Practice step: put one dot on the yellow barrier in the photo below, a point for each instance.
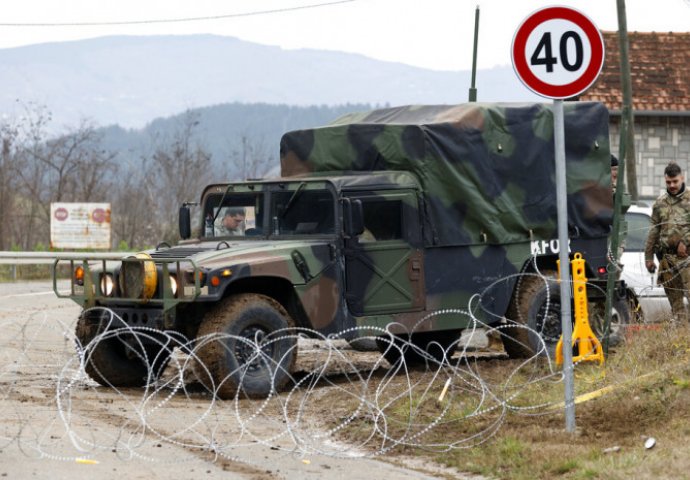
(584, 341)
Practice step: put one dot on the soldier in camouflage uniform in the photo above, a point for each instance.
(669, 239)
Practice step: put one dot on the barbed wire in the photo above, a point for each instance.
(338, 402)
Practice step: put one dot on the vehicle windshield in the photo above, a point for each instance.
(302, 211)
(278, 210)
(239, 214)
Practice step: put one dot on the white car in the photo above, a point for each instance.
(647, 295)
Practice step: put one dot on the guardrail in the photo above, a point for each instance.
(48, 258)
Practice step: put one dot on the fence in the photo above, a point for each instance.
(45, 258)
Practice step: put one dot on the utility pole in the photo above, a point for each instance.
(627, 135)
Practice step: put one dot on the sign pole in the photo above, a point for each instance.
(558, 53)
(566, 314)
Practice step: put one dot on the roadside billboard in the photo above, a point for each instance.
(80, 226)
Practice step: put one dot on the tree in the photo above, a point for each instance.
(71, 167)
(251, 157)
(180, 168)
(8, 185)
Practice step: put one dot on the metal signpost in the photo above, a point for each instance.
(558, 53)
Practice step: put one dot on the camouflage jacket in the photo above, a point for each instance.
(670, 224)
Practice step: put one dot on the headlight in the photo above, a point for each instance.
(173, 285)
(107, 284)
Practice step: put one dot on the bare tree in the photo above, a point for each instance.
(251, 157)
(69, 167)
(179, 170)
(8, 186)
(133, 219)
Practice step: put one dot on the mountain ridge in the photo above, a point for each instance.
(132, 80)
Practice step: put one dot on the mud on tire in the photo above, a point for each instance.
(117, 356)
(536, 304)
(227, 347)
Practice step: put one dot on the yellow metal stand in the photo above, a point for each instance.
(587, 345)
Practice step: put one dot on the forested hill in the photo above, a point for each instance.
(236, 136)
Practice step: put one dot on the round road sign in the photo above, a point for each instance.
(98, 215)
(557, 52)
(61, 214)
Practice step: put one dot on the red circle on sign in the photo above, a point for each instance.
(98, 215)
(61, 214)
(523, 70)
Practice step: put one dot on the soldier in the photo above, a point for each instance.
(614, 172)
(233, 221)
(669, 239)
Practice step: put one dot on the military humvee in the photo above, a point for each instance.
(378, 220)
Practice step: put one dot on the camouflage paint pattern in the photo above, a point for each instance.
(486, 170)
(670, 225)
(476, 190)
(487, 192)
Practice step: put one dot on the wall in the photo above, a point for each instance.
(658, 140)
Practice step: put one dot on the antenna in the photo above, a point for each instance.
(473, 90)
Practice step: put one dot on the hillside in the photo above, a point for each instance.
(130, 80)
(228, 132)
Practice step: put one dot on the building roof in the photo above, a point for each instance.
(660, 69)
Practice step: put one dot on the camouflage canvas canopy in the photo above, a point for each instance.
(487, 170)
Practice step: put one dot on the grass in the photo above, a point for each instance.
(513, 426)
(24, 272)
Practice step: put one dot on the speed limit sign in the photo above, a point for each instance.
(557, 52)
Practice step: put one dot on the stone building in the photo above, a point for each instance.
(660, 70)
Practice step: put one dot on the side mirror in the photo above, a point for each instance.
(353, 218)
(185, 223)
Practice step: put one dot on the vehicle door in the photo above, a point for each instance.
(384, 266)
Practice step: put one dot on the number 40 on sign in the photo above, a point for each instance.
(557, 52)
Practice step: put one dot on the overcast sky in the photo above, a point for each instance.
(433, 34)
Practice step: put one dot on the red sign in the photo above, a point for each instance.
(557, 52)
(61, 214)
(98, 215)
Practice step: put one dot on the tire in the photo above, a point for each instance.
(621, 316)
(536, 304)
(530, 307)
(230, 363)
(363, 344)
(431, 347)
(120, 358)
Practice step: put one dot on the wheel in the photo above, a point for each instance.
(431, 346)
(364, 344)
(620, 317)
(227, 347)
(536, 304)
(122, 356)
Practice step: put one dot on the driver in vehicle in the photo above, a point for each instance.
(233, 221)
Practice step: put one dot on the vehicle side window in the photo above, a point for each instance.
(383, 218)
(389, 215)
(638, 228)
(310, 212)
